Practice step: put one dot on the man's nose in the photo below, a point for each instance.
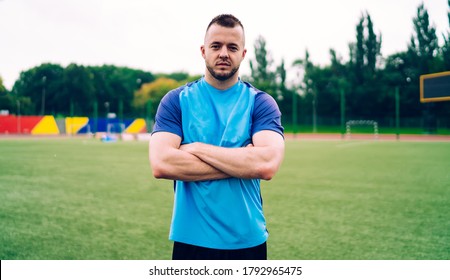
(223, 52)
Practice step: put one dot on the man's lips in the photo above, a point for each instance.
(223, 64)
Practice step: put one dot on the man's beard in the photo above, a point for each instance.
(224, 76)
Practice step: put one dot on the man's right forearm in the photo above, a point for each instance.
(185, 167)
(169, 162)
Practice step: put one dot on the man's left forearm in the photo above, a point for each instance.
(251, 162)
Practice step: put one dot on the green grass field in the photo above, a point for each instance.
(331, 200)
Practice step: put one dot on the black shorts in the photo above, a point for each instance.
(182, 251)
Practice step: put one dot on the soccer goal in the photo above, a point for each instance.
(115, 128)
(353, 123)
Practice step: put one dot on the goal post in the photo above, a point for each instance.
(115, 128)
(352, 123)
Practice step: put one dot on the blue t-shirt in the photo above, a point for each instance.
(227, 213)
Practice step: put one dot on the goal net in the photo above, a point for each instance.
(115, 128)
(353, 123)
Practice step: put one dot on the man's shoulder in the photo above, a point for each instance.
(174, 94)
(183, 88)
(260, 94)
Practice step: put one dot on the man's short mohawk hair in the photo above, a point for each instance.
(226, 20)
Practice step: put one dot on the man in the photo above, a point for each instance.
(217, 137)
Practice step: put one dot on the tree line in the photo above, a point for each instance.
(362, 87)
(366, 84)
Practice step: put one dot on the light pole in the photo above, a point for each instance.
(95, 115)
(107, 115)
(397, 112)
(314, 105)
(18, 116)
(295, 93)
(398, 63)
(138, 82)
(44, 79)
(297, 89)
(342, 93)
(107, 108)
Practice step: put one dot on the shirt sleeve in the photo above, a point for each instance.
(266, 114)
(168, 115)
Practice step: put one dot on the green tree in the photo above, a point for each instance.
(101, 80)
(149, 95)
(446, 46)
(6, 99)
(79, 90)
(360, 80)
(2, 87)
(372, 48)
(262, 75)
(423, 46)
(125, 82)
(366, 52)
(422, 59)
(114, 88)
(358, 63)
(39, 89)
(308, 88)
(284, 95)
(177, 76)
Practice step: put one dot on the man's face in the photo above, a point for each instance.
(223, 51)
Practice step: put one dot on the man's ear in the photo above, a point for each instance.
(202, 50)
(244, 52)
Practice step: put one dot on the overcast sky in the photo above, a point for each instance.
(165, 36)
